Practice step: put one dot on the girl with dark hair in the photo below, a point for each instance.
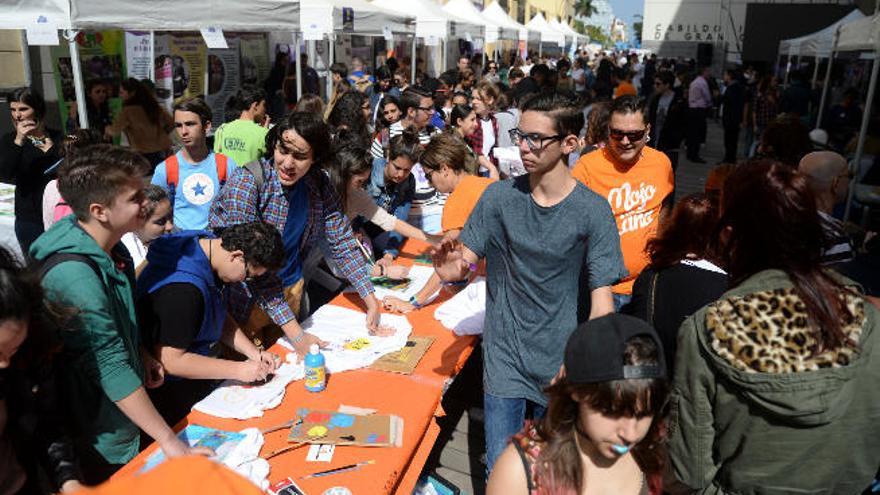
(349, 168)
(602, 432)
(389, 113)
(683, 274)
(98, 105)
(463, 123)
(144, 122)
(310, 103)
(378, 92)
(35, 446)
(786, 140)
(160, 221)
(779, 374)
(25, 155)
(351, 112)
(288, 189)
(392, 187)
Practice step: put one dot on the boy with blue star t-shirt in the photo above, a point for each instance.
(194, 175)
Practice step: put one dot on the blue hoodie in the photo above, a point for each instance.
(178, 258)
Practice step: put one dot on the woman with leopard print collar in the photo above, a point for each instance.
(775, 384)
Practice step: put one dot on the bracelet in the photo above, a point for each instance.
(295, 340)
(415, 302)
(472, 267)
(457, 283)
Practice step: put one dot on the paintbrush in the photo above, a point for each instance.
(343, 469)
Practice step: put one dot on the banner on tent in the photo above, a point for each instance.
(188, 59)
(102, 56)
(255, 62)
(137, 54)
(164, 71)
(223, 76)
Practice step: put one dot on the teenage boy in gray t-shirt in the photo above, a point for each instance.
(537, 233)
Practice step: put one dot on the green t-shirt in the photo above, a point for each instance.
(242, 140)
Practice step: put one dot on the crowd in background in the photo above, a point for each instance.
(635, 341)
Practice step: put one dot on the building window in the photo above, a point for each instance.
(521, 12)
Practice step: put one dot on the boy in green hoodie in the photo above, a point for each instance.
(104, 372)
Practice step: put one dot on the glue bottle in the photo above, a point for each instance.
(316, 374)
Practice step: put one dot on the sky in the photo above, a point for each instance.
(626, 9)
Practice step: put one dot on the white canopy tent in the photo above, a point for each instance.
(862, 35)
(566, 30)
(432, 23)
(22, 14)
(494, 12)
(817, 44)
(548, 34)
(494, 30)
(326, 17)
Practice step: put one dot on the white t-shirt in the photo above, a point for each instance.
(135, 247)
(577, 74)
(488, 136)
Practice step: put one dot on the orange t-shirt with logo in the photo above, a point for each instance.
(635, 195)
(462, 200)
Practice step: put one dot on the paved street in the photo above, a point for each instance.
(457, 456)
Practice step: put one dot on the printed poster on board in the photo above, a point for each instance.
(163, 67)
(188, 64)
(223, 76)
(137, 54)
(102, 58)
(255, 62)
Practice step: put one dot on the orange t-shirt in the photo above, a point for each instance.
(462, 200)
(624, 88)
(635, 196)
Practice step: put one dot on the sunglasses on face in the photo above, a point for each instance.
(633, 136)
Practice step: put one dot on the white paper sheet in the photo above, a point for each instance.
(350, 345)
(418, 275)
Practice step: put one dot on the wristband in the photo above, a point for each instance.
(472, 267)
(295, 340)
(457, 283)
(415, 302)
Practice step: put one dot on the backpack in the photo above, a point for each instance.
(172, 173)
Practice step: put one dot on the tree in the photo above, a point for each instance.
(584, 8)
(637, 28)
(596, 34)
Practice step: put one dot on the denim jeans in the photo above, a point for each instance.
(502, 419)
(621, 300)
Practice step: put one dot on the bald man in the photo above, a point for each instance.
(828, 177)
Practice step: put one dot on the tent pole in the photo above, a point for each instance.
(827, 80)
(815, 72)
(860, 148)
(331, 49)
(78, 87)
(412, 62)
(152, 73)
(298, 67)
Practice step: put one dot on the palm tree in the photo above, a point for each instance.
(584, 8)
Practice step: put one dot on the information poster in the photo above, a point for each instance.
(137, 54)
(188, 65)
(255, 62)
(223, 76)
(102, 57)
(164, 71)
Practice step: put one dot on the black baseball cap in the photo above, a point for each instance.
(594, 352)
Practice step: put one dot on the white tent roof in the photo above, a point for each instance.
(578, 37)
(21, 14)
(817, 44)
(548, 34)
(431, 20)
(494, 30)
(369, 19)
(565, 30)
(171, 15)
(497, 14)
(860, 35)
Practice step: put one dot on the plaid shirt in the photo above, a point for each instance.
(241, 202)
(476, 139)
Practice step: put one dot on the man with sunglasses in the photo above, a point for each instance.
(181, 308)
(636, 180)
(549, 242)
(667, 114)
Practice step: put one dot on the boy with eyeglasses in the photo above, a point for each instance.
(636, 180)
(182, 309)
(549, 242)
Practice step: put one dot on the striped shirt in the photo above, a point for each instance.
(837, 245)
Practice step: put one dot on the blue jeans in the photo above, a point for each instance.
(621, 300)
(502, 419)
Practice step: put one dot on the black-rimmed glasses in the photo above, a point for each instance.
(533, 140)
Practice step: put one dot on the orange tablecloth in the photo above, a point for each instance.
(415, 398)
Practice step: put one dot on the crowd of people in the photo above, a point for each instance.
(720, 343)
